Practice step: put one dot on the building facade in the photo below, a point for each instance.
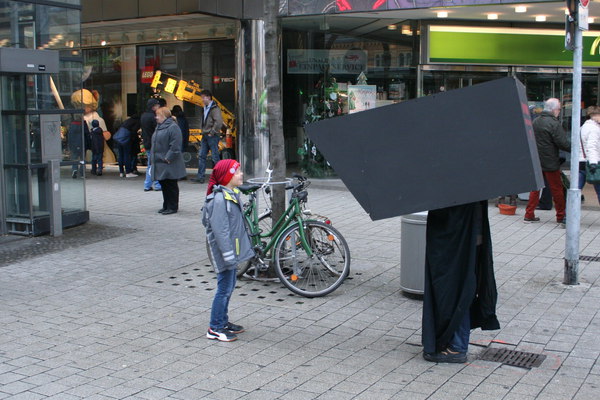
(338, 56)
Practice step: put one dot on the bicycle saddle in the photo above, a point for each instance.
(249, 188)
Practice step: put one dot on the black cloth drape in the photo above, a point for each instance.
(459, 274)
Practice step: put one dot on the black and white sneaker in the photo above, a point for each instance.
(222, 335)
(233, 328)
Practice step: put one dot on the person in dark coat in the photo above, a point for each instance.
(460, 288)
(132, 125)
(182, 122)
(97, 144)
(550, 138)
(167, 160)
(135, 145)
(148, 125)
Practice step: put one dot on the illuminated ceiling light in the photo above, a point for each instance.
(591, 20)
(442, 14)
(540, 18)
(103, 43)
(392, 27)
(566, 11)
(406, 30)
(492, 16)
(520, 9)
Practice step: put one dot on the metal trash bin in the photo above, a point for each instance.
(412, 257)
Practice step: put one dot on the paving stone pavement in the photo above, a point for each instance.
(124, 316)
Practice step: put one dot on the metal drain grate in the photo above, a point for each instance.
(521, 359)
(589, 258)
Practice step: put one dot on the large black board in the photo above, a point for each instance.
(450, 148)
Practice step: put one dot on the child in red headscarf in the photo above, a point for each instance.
(229, 243)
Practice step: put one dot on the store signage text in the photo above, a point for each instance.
(309, 61)
(147, 74)
(219, 79)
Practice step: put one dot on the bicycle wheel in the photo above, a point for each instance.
(242, 267)
(316, 275)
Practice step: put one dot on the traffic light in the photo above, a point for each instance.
(571, 24)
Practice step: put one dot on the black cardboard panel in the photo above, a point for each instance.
(451, 148)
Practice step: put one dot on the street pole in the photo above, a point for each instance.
(571, 274)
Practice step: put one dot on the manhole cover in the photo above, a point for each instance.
(589, 258)
(521, 359)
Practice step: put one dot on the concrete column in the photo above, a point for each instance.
(128, 77)
(253, 137)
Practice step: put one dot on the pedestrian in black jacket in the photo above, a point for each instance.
(97, 142)
(184, 126)
(131, 125)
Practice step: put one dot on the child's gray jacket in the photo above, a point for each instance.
(226, 231)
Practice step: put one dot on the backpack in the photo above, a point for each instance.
(122, 136)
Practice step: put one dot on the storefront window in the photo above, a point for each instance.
(329, 74)
(121, 76)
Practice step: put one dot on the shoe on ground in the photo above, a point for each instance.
(233, 328)
(562, 222)
(446, 356)
(148, 189)
(158, 189)
(93, 172)
(162, 210)
(197, 180)
(221, 335)
(122, 175)
(168, 212)
(131, 175)
(74, 175)
(534, 219)
(99, 173)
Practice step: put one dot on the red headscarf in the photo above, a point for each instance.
(222, 174)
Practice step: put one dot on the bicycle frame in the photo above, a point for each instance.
(291, 214)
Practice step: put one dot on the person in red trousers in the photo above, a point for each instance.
(550, 137)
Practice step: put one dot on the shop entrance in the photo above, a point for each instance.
(542, 84)
(455, 77)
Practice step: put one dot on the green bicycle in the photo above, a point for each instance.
(309, 256)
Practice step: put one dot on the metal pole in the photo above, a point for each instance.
(55, 208)
(571, 276)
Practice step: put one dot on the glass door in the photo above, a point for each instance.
(436, 81)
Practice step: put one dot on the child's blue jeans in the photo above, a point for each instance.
(225, 285)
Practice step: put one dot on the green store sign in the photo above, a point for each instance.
(509, 46)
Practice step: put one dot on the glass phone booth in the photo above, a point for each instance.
(39, 190)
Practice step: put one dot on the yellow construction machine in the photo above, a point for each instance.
(190, 92)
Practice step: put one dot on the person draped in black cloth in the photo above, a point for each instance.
(460, 288)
